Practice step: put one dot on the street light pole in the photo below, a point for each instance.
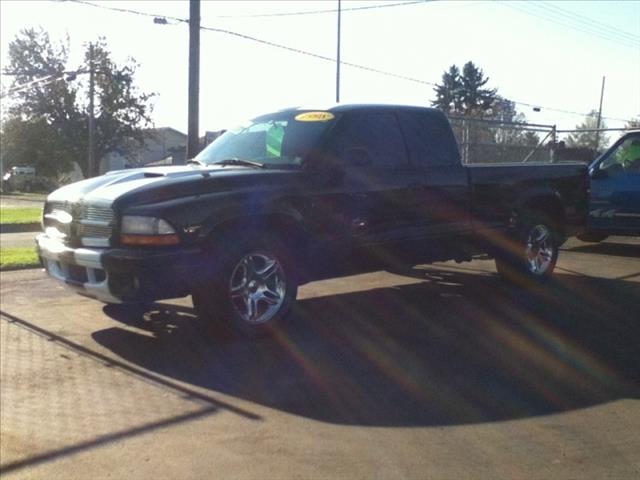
(599, 116)
(338, 57)
(92, 170)
(193, 142)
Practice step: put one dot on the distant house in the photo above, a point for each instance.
(162, 146)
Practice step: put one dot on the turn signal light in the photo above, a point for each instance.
(149, 240)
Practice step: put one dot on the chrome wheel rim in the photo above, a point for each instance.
(257, 287)
(539, 250)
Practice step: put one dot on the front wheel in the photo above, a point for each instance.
(532, 257)
(251, 289)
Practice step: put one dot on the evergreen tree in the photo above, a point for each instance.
(465, 93)
(448, 94)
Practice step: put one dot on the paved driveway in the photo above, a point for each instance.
(445, 374)
(18, 239)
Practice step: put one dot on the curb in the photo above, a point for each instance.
(20, 227)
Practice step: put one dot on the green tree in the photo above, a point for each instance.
(465, 93)
(589, 138)
(53, 116)
(476, 99)
(448, 93)
(121, 111)
(33, 142)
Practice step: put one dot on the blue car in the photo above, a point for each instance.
(614, 207)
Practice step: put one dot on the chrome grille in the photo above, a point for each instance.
(94, 231)
(98, 214)
(93, 225)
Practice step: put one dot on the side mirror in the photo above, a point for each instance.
(357, 157)
(598, 174)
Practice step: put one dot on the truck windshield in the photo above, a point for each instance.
(279, 139)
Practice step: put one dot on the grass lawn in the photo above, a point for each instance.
(14, 258)
(20, 215)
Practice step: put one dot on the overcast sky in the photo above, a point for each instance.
(549, 54)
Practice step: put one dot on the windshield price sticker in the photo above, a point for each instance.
(314, 117)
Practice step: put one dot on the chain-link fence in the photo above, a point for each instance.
(496, 141)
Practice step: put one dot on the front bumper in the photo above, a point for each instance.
(117, 275)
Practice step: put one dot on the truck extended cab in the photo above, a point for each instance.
(299, 195)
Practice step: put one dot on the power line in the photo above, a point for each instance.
(126, 10)
(568, 112)
(260, 15)
(594, 28)
(331, 10)
(318, 56)
(558, 20)
(19, 88)
(264, 42)
(375, 70)
(564, 23)
(585, 19)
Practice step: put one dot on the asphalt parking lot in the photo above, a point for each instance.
(445, 373)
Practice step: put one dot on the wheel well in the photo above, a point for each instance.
(551, 207)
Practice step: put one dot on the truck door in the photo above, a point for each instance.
(442, 183)
(615, 189)
(374, 198)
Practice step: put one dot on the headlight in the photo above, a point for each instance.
(139, 230)
(135, 225)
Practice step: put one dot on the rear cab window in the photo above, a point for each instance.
(429, 138)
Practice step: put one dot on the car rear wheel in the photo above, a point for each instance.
(251, 288)
(532, 256)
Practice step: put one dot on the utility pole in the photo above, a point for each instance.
(193, 143)
(92, 170)
(338, 57)
(599, 116)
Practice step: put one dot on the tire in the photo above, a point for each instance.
(250, 288)
(592, 237)
(532, 253)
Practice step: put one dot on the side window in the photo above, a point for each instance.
(376, 132)
(429, 138)
(625, 158)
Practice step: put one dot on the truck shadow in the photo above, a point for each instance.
(457, 348)
(608, 248)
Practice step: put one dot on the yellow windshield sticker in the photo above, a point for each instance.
(314, 117)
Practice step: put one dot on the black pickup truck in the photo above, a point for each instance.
(299, 195)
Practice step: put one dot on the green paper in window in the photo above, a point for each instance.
(275, 134)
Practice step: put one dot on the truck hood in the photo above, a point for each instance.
(159, 183)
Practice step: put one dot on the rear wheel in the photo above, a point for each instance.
(251, 288)
(532, 255)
